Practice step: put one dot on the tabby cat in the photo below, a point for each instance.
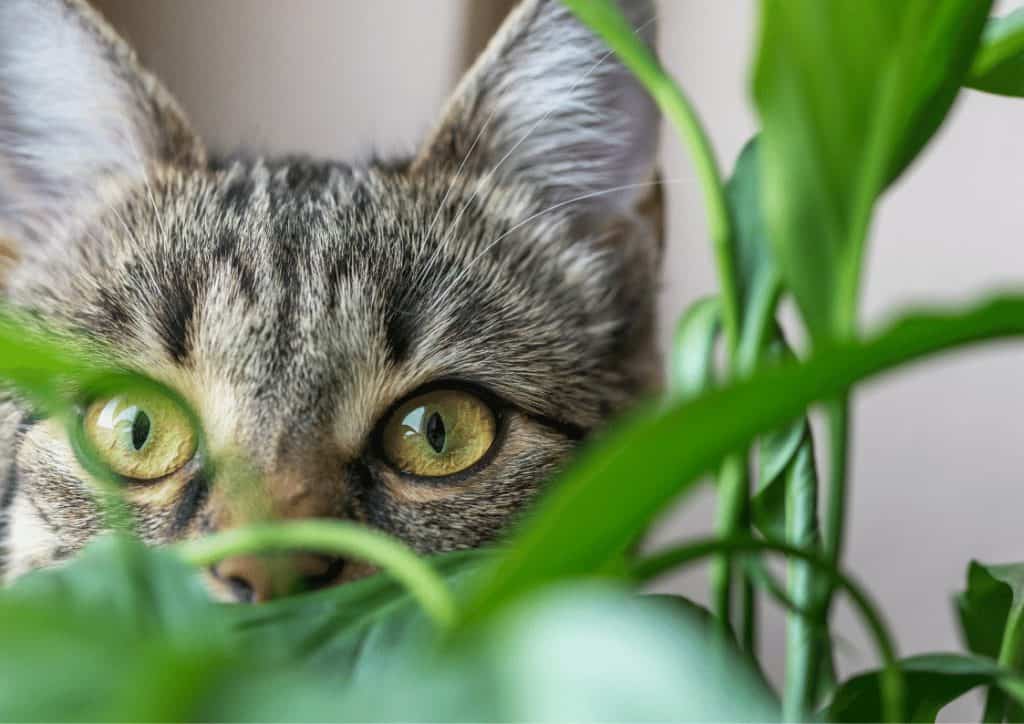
(415, 344)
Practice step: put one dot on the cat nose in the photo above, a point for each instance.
(255, 579)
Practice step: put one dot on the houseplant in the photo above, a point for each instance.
(549, 625)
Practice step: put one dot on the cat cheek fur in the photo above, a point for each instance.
(293, 302)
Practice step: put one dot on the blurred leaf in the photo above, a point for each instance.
(693, 350)
(932, 681)
(142, 589)
(125, 632)
(755, 260)
(573, 653)
(645, 463)
(984, 606)
(848, 92)
(346, 628)
(122, 633)
(999, 65)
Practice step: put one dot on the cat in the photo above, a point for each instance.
(415, 344)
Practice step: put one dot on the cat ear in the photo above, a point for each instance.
(548, 105)
(75, 106)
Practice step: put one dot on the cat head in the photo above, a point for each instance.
(417, 345)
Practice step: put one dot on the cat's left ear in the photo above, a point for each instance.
(549, 106)
(75, 106)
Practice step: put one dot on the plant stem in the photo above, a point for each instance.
(732, 504)
(1011, 651)
(838, 419)
(893, 685)
(837, 412)
(339, 538)
(803, 646)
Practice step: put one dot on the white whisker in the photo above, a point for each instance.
(145, 179)
(583, 197)
(452, 227)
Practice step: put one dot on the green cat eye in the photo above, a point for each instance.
(140, 434)
(439, 433)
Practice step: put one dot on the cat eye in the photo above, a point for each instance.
(439, 433)
(140, 434)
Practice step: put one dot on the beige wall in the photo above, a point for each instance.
(938, 463)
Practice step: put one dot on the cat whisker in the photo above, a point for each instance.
(451, 286)
(145, 179)
(131, 236)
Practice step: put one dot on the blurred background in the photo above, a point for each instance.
(938, 455)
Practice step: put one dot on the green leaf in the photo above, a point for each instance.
(693, 351)
(144, 590)
(999, 65)
(848, 91)
(645, 463)
(932, 681)
(588, 652)
(755, 259)
(122, 633)
(344, 629)
(984, 606)
(126, 632)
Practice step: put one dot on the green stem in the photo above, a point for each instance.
(1011, 651)
(893, 685)
(838, 419)
(732, 504)
(339, 538)
(604, 17)
(837, 412)
(803, 646)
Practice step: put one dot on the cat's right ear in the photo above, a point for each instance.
(75, 107)
(548, 105)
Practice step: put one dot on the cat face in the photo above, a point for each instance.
(417, 345)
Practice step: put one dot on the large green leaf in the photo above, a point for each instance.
(848, 92)
(999, 64)
(576, 653)
(647, 462)
(123, 633)
(129, 633)
(932, 682)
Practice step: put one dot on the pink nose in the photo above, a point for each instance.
(255, 579)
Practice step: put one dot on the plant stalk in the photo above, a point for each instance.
(733, 496)
(803, 646)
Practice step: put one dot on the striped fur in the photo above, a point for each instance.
(292, 302)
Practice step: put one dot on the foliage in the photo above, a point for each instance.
(549, 625)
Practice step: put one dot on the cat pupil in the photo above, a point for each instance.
(140, 430)
(435, 432)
